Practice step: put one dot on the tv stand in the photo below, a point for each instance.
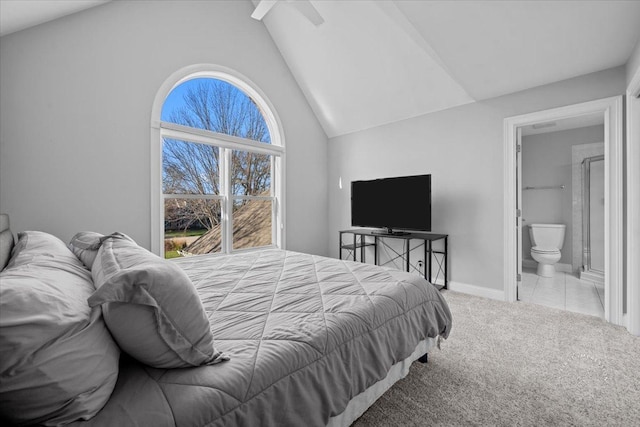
(389, 232)
(364, 238)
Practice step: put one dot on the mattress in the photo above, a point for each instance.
(305, 335)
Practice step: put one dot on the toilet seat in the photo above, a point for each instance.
(541, 250)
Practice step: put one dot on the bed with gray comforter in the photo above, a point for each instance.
(104, 331)
(304, 333)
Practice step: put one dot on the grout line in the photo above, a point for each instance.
(582, 291)
(598, 293)
(535, 287)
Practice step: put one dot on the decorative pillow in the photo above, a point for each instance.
(85, 245)
(151, 307)
(58, 362)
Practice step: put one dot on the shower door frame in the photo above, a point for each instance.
(586, 214)
(612, 110)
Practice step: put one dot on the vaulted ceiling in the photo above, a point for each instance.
(16, 15)
(364, 63)
(375, 62)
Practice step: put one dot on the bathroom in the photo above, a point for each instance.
(563, 185)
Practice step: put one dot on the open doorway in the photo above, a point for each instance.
(610, 109)
(562, 231)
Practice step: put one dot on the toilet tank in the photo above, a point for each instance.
(547, 235)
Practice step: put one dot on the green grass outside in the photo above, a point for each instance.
(172, 254)
(169, 235)
(188, 233)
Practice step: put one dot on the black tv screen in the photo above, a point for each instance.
(400, 203)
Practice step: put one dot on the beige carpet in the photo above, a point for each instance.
(518, 364)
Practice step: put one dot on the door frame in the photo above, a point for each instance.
(519, 254)
(633, 204)
(612, 110)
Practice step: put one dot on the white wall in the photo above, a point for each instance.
(547, 161)
(462, 149)
(75, 105)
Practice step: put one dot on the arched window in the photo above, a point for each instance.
(217, 158)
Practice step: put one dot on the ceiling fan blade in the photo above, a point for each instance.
(263, 8)
(309, 11)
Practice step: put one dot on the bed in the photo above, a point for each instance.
(298, 339)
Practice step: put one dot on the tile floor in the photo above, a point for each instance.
(564, 291)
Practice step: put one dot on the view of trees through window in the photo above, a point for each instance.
(198, 178)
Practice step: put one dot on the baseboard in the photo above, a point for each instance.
(565, 268)
(479, 291)
(593, 277)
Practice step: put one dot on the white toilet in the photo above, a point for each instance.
(546, 242)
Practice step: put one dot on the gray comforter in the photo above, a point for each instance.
(305, 335)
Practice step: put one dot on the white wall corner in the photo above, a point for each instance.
(633, 64)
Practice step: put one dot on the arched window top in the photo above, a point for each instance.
(215, 105)
(223, 74)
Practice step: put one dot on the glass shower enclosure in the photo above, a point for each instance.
(593, 218)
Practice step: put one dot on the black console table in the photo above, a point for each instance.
(363, 238)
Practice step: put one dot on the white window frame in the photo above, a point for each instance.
(226, 143)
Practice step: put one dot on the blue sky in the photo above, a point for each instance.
(174, 100)
(175, 97)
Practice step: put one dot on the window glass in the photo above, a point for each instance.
(252, 223)
(216, 106)
(190, 168)
(250, 174)
(191, 226)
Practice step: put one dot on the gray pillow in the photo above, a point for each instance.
(6, 240)
(151, 307)
(85, 245)
(59, 363)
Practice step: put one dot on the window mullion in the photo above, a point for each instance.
(173, 131)
(253, 197)
(191, 196)
(274, 205)
(227, 202)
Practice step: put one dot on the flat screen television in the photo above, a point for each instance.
(393, 204)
